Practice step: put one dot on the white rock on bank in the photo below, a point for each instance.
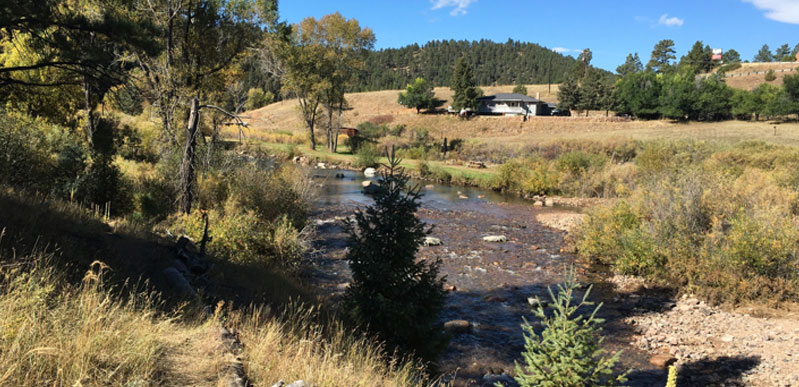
(369, 172)
(495, 238)
(431, 241)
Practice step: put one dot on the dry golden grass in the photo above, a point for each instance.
(294, 347)
(281, 117)
(739, 80)
(66, 336)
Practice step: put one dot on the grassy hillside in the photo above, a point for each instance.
(750, 75)
(381, 106)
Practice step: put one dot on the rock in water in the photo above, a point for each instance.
(457, 326)
(369, 172)
(321, 165)
(549, 203)
(495, 238)
(371, 188)
(366, 183)
(430, 241)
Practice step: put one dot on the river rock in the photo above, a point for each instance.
(495, 238)
(457, 326)
(431, 241)
(462, 196)
(366, 183)
(321, 165)
(538, 203)
(662, 360)
(549, 203)
(370, 172)
(535, 302)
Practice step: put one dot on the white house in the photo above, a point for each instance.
(512, 104)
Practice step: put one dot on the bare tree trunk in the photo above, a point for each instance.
(330, 140)
(187, 168)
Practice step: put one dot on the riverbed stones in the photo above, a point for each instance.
(538, 203)
(495, 238)
(457, 326)
(370, 188)
(321, 165)
(535, 302)
(370, 172)
(549, 203)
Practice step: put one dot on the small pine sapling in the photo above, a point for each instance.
(396, 296)
(568, 350)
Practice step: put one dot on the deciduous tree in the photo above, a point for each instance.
(418, 95)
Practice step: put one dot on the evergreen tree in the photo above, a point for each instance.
(567, 353)
(731, 56)
(631, 65)
(639, 94)
(393, 294)
(698, 59)
(783, 53)
(569, 94)
(770, 76)
(464, 87)
(662, 55)
(418, 95)
(764, 55)
(591, 91)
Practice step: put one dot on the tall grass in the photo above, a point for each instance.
(294, 346)
(54, 334)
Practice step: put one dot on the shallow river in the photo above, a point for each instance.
(492, 281)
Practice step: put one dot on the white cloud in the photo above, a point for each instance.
(459, 5)
(667, 21)
(785, 11)
(563, 50)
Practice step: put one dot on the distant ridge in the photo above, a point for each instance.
(493, 63)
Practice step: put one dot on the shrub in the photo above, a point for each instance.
(366, 156)
(240, 236)
(770, 76)
(578, 163)
(568, 351)
(393, 294)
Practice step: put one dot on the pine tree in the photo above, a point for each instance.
(394, 295)
(464, 87)
(764, 55)
(662, 55)
(698, 59)
(731, 56)
(631, 65)
(783, 53)
(569, 94)
(567, 353)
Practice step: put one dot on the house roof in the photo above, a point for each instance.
(511, 97)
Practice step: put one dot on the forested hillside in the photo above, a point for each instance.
(493, 63)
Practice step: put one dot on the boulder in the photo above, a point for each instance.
(371, 188)
(457, 326)
(321, 165)
(370, 172)
(431, 241)
(178, 282)
(549, 203)
(538, 203)
(535, 302)
(662, 360)
(495, 238)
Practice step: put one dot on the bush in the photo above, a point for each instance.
(730, 237)
(568, 351)
(240, 236)
(366, 156)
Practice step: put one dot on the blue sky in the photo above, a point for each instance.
(611, 29)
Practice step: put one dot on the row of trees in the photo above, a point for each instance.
(684, 89)
(783, 53)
